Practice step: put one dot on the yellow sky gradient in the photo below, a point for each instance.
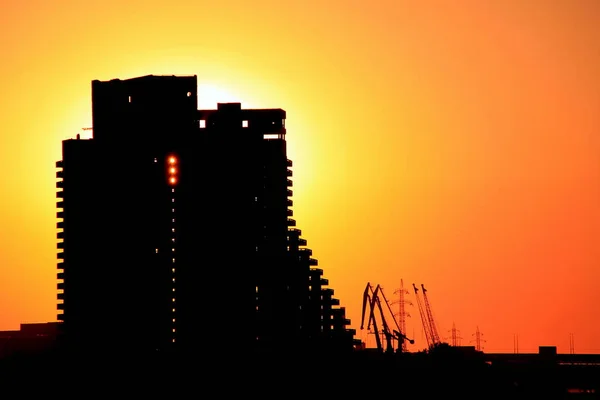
(450, 143)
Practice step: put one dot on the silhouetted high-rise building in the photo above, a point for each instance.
(176, 229)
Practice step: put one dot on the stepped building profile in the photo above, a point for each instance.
(175, 230)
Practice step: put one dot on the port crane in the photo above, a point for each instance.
(435, 337)
(429, 327)
(424, 320)
(372, 300)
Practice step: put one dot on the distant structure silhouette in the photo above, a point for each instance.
(176, 231)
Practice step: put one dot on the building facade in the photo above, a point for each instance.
(175, 230)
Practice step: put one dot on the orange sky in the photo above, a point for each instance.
(450, 143)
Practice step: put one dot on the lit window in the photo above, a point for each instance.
(172, 229)
(173, 329)
(172, 170)
(173, 190)
(173, 260)
(155, 160)
(172, 180)
(173, 289)
(173, 319)
(173, 270)
(173, 239)
(173, 250)
(157, 251)
(173, 279)
(244, 124)
(174, 302)
(173, 220)
(172, 160)
(202, 123)
(173, 340)
(173, 310)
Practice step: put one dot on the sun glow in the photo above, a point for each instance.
(209, 95)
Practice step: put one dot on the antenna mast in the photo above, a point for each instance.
(571, 343)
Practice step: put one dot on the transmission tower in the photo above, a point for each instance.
(478, 340)
(455, 336)
(402, 314)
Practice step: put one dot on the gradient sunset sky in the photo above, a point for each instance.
(450, 143)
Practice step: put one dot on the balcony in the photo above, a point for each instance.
(60, 225)
(290, 202)
(313, 261)
(60, 245)
(60, 194)
(60, 306)
(60, 256)
(289, 193)
(306, 251)
(324, 282)
(289, 183)
(60, 204)
(289, 172)
(59, 164)
(60, 296)
(60, 214)
(290, 213)
(302, 242)
(60, 275)
(60, 235)
(291, 222)
(60, 174)
(289, 162)
(60, 286)
(295, 230)
(60, 184)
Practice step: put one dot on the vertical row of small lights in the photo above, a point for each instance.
(173, 178)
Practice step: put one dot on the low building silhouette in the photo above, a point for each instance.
(30, 339)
